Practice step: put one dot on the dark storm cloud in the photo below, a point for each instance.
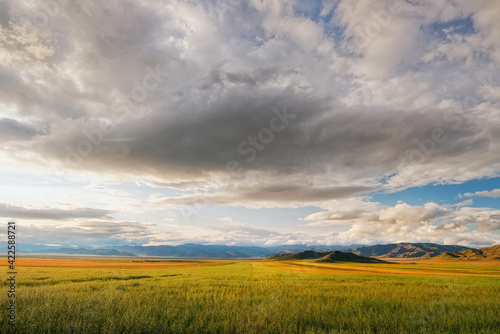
(217, 103)
(203, 132)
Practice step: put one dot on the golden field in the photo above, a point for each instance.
(82, 295)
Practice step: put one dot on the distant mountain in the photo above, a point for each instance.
(482, 254)
(83, 251)
(190, 250)
(335, 256)
(218, 251)
(407, 250)
(198, 251)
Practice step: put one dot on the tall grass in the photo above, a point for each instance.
(248, 297)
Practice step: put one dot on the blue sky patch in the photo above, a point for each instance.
(443, 194)
(440, 30)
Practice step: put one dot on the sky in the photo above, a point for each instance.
(259, 122)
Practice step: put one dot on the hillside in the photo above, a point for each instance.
(338, 256)
(482, 254)
(335, 256)
(305, 255)
(405, 250)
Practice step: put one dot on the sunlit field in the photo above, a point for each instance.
(137, 296)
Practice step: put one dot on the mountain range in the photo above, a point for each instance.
(197, 251)
(84, 251)
(389, 251)
(482, 254)
(405, 250)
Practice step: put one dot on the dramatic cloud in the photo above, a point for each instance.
(430, 221)
(260, 104)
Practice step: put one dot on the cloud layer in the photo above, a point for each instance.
(263, 104)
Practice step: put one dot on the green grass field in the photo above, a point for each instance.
(257, 297)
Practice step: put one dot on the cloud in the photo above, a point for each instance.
(465, 203)
(92, 233)
(404, 214)
(206, 100)
(374, 223)
(199, 141)
(400, 214)
(32, 213)
(430, 222)
(486, 193)
(486, 220)
(277, 195)
(258, 103)
(11, 129)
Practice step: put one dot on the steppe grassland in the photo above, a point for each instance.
(256, 297)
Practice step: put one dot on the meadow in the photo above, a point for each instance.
(131, 296)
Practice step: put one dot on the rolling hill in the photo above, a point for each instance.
(404, 250)
(482, 254)
(305, 255)
(338, 256)
(335, 256)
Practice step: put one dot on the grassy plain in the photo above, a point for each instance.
(76, 295)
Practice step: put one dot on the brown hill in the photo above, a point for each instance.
(404, 250)
(305, 255)
(482, 254)
(338, 256)
(326, 256)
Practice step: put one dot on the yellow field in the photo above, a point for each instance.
(128, 263)
(95, 295)
(419, 268)
(398, 267)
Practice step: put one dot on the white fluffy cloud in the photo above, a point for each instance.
(485, 193)
(374, 222)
